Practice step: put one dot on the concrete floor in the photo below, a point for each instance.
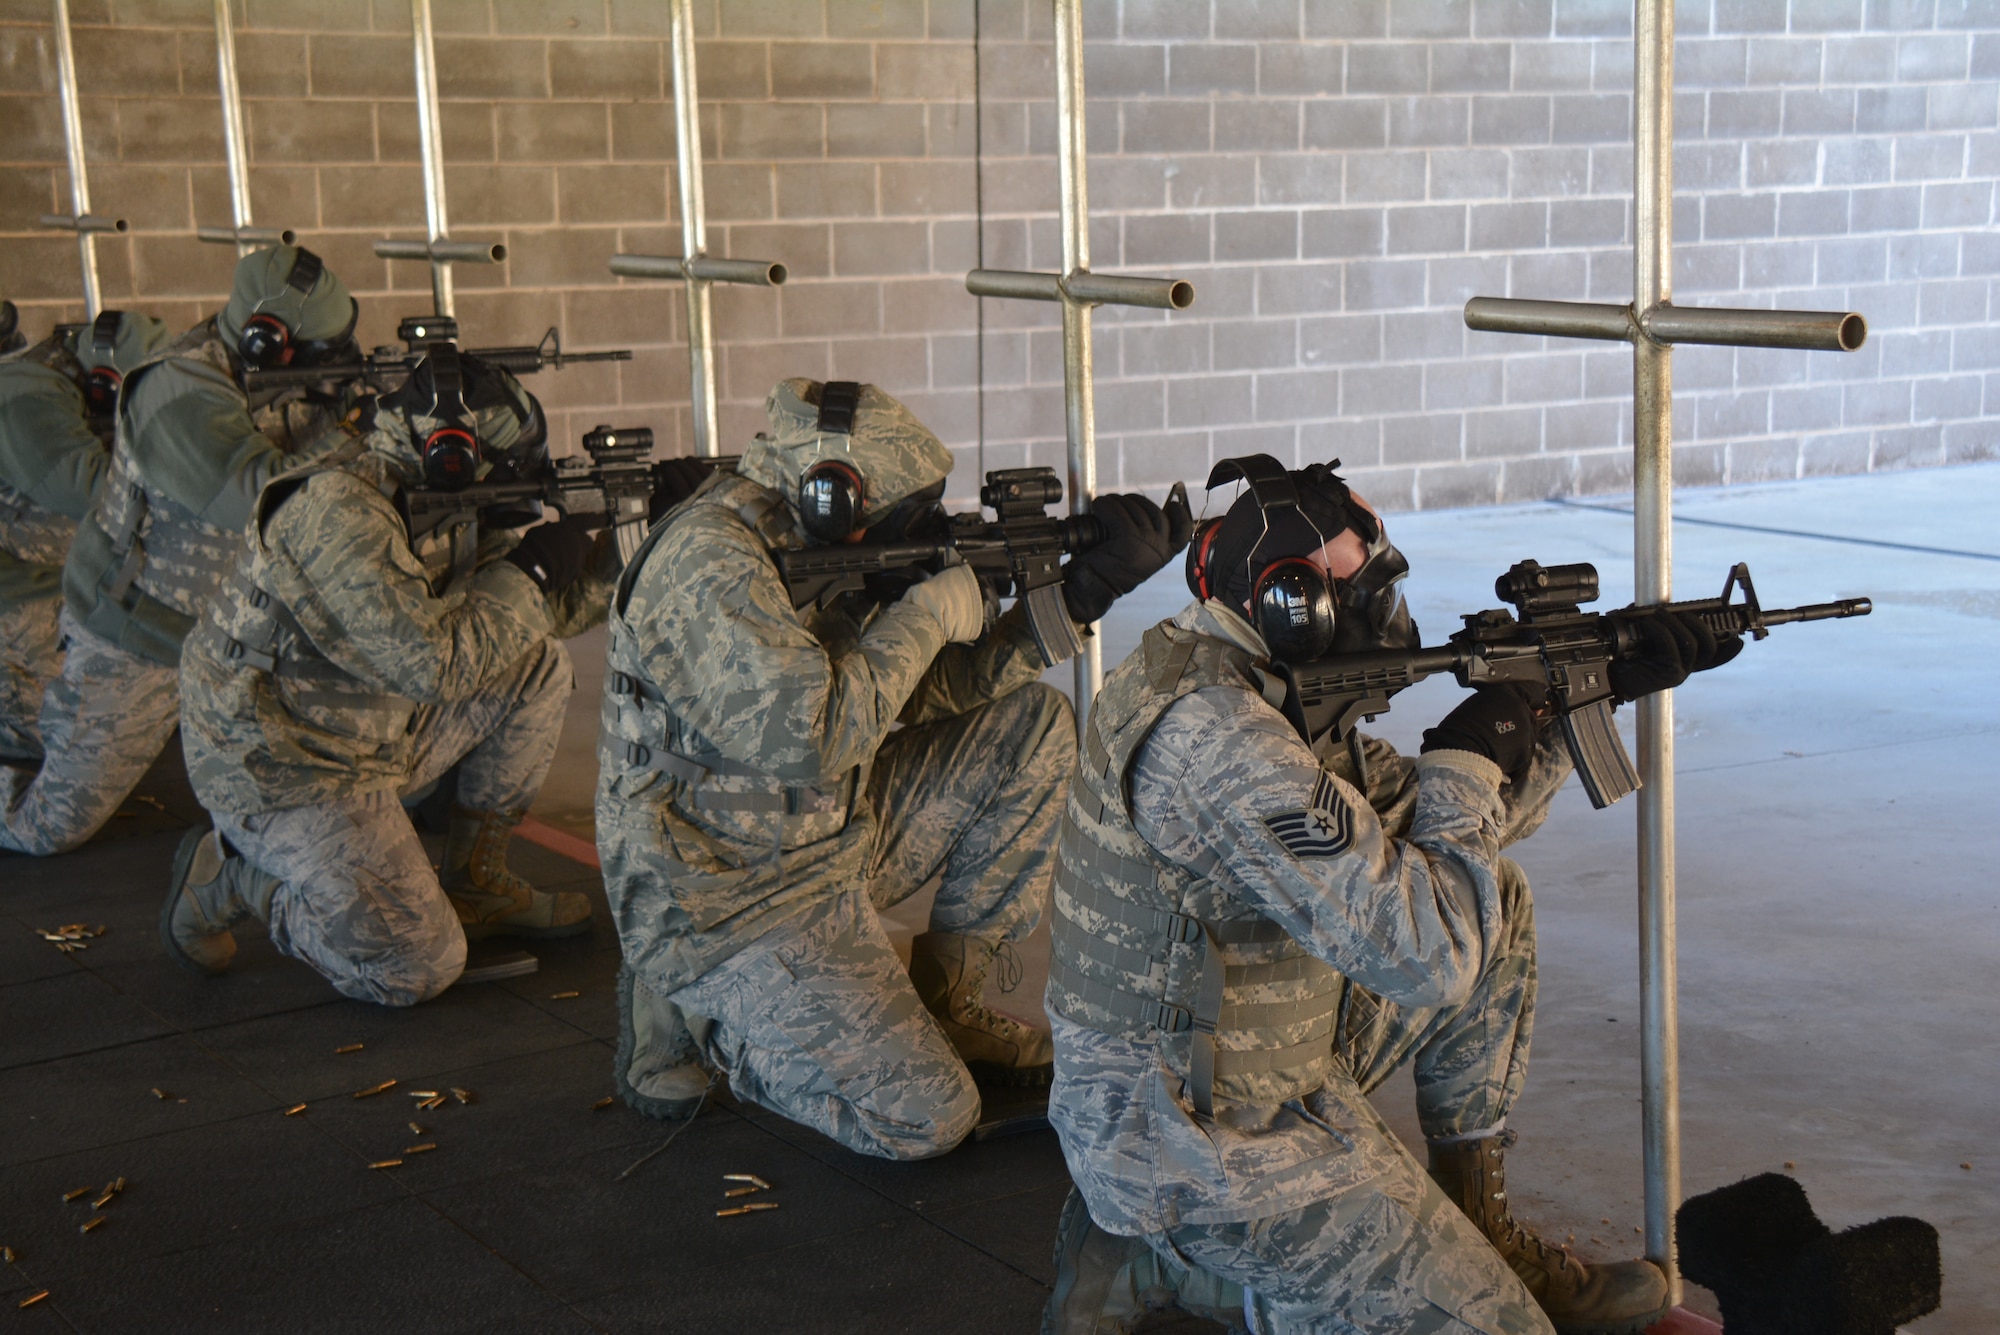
(1840, 923)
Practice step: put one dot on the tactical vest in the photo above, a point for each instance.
(157, 566)
(1151, 952)
(259, 631)
(33, 534)
(639, 732)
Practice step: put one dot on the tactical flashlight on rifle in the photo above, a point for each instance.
(1547, 639)
(388, 367)
(1018, 554)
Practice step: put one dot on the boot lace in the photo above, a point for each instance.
(1007, 961)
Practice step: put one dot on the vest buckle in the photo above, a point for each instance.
(1182, 929)
(637, 754)
(1169, 1019)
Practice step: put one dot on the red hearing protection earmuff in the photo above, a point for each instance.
(267, 341)
(101, 382)
(451, 451)
(1293, 602)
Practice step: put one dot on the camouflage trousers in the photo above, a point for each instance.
(1394, 1255)
(817, 1020)
(358, 898)
(103, 721)
(30, 658)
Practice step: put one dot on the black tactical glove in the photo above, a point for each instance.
(674, 480)
(1673, 646)
(554, 555)
(1139, 539)
(1498, 722)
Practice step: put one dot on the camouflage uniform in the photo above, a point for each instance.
(188, 459)
(344, 666)
(755, 810)
(1379, 916)
(50, 463)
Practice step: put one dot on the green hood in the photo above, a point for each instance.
(894, 453)
(501, 425)
(261, 285)
(138, 338)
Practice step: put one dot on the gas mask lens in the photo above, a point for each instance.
(918, 515)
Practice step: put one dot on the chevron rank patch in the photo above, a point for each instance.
(1325, 829)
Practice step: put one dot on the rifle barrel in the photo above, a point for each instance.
(1839, 608)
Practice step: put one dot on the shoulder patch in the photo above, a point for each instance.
(1323, 829)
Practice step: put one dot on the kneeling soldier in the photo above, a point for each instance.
(755, 810)
(343, 666)
(56, 404)
(1249, 936)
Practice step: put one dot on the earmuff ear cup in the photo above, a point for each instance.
(830, 499)
(265, 342)
(451, 458)
(1295, 609)
(100, 391)
(1195, 565)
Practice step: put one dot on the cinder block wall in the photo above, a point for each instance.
(1335, 176)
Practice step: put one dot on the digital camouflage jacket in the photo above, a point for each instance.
(1395, 887)
(188, 461)
(301, 681)
(738, 731)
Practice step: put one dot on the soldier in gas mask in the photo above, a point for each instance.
(1250, 935)
(344, 665)
(56, 405)
(755, 810)
(189, 456)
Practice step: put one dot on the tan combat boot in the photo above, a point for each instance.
(210, 891)
(1617, 1298)
(657, 1070)
(1108, 1285)
(949, 973)
(492, 901)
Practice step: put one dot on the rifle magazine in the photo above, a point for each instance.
(1048, 618)
(1599, 752)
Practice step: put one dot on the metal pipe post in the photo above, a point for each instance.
(1078, 388)
(1652, 506)
(431, 136)
(233, 138)
(694, 228)
(79, 180)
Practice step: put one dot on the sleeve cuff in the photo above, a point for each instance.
(1468, 763)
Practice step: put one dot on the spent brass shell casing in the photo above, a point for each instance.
(563, 996)
(416, 1129)
(387, 1163)
(34, 1298)
(424, 1148)
(603, 1103)
(295, 1110)
(119, 1185)
(423, 1093)
(462, 1095)
(751, 1178)
(751, 1208)
(373, 1090)
(347, 1048)
(78, 1194)
(161, 1095)
(104, 1200)
(432, 1104)
(7, 1255)
(91, 1223)
(740, 1191)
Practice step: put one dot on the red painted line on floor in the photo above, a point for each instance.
(1680, 1321)
(558, 841)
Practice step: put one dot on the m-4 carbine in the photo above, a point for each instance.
(1547, 639)
(388, 367)
(614, 480)
(1017, 554)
